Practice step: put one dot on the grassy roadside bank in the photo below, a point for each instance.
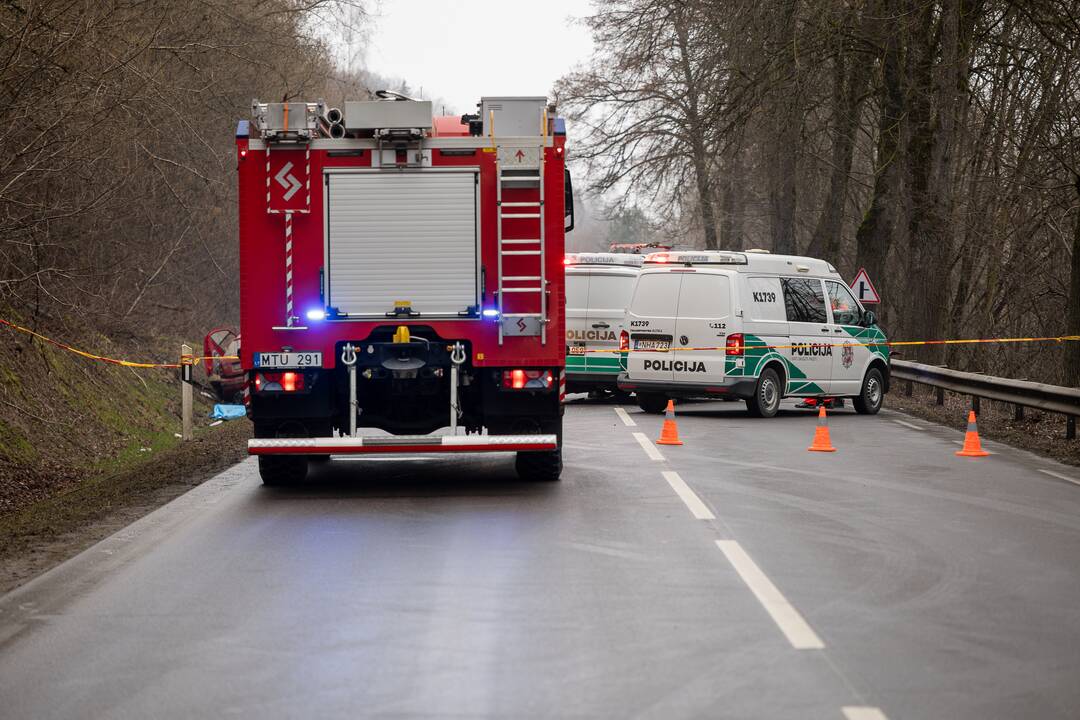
(87, 447)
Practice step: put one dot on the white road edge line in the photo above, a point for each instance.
(698, 508)
(1059, 476)
(786, 617)
(863, 712)
(908, 425)
(625, 417)
(648, 447)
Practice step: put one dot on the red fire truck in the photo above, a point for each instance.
(401, 281)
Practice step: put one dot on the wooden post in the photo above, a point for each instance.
(940, 396)
(909, 389)
(975, 404)
(1019, 413)
(187, 396)
(1070, 427)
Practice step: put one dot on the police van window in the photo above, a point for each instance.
(804, 300)
(577, 291)
(845, 311)
(610, 292)
(657, 295)
(764, 299)
(705, 296)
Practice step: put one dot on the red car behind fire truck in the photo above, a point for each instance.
(401, 281)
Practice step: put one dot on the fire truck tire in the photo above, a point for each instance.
(284, 470)
(868, 402)
(652, 403)
(539, 466)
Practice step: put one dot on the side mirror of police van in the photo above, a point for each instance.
(568, 201)
(869, 319)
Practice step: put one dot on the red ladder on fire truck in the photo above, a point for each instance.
(521, 167)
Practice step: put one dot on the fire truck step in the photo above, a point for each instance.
(520, 277)
(519, 290)
(520, 204)
(521, 242)
(519, 215)
(401, 444)
(521, 252)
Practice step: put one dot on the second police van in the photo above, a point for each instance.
(598, 287)
(751, 326)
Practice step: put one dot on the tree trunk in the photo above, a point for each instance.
(696, 130)
(1072, 320)
(788, 123)
(874, 237)
(850, 76)
(731, 180)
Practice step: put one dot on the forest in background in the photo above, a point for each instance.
(117, 184)
(934, 142)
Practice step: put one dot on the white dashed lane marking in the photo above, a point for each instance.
(1059, 476)
(698, 508)
(863, 712)
(648, 447)
(787, 618)
(908, 425)
(625, 417)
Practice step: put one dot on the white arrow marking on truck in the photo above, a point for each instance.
(285, 179)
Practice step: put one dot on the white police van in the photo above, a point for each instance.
(752, 326)
(598, 287)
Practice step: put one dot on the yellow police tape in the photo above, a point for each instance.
(192, 359)
(184, 359)
(881, 343)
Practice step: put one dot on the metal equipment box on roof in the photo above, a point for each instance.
(514, 116)
(384, 114)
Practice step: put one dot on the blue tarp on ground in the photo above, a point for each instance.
(228, 412)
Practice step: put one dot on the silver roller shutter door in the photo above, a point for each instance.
(401, 236)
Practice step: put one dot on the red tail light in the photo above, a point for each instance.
(624, 341)
(279, 381)
(527, 379)
(734, 344)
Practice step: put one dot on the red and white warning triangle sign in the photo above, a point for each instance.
(864, 289)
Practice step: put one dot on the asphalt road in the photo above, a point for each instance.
(737, 577)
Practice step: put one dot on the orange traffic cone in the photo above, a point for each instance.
(669, 434)
(821, 443)
(972, 446)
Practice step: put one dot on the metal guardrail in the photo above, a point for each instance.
(1021, 393)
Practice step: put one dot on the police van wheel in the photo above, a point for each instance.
(872, 396)
(766, 400)
(652, 404)
(539, 466)
(284, 470)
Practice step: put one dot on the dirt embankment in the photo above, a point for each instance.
(87, 447)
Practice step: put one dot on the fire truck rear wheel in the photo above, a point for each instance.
(651, 403)
(539, 466)
(277, 471)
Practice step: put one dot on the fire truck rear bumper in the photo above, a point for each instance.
(402, 444)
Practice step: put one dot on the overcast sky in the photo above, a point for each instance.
(460, 50)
